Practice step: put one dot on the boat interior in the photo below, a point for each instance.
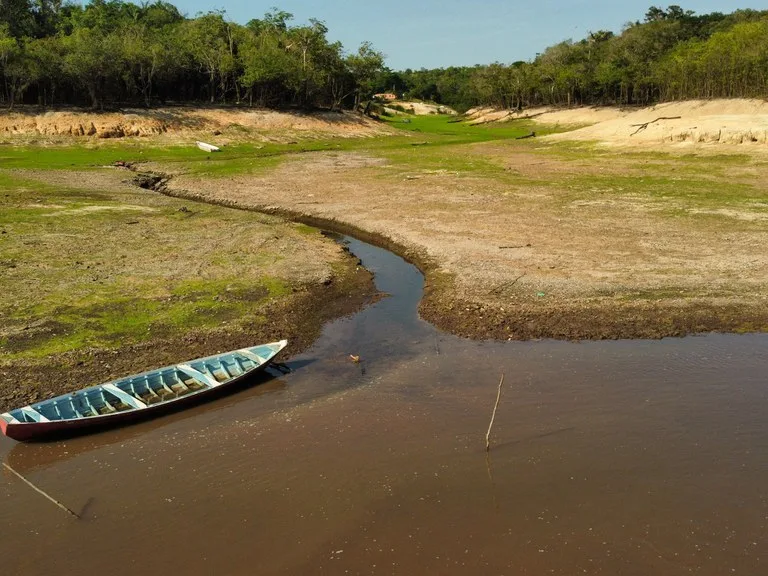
(150, 388)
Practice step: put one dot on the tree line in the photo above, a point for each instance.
(673, 54)
(110, 52)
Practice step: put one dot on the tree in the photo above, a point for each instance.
(206, 40)
(9, 52)
(265, 62)
(145, 54)
(364, 66)
(46, 59)
(18, 18)
(92, 60)
(310, 50)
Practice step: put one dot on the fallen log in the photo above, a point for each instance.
(646, 124)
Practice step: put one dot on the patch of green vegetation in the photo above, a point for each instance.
(307, 230)
(589, 150)
(25, 201)
(439, 143)
(570, 149)
(106, 269)
(233, 159)
(437, 159)
(438, 131)
(454, 130)
(423, 145)
(687, 192)
(76, 156)
(194, 304)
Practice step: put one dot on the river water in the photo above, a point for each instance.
(627, 457)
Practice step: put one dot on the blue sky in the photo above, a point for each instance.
(439, 33)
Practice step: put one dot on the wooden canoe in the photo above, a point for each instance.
(137, 396)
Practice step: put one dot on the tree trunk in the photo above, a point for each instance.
(93, 93)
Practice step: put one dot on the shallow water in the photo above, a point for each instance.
(629, 457)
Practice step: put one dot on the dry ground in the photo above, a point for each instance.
(172, 125)
(573, 245)
(418, 108)
(685, 125)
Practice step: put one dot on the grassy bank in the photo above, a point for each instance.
(91, 265)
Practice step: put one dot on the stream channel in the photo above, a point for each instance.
(620, 457)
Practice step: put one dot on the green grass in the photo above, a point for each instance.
(136, 320)
(439, 143)
(437, 131)
(689, 191)
(448, 130)
(114, 277)
(109, 320)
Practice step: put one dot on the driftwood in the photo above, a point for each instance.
(528, 117)
(646, 124)
(41, 492)
(508, 118)
(500, 288)
(531, 135)
(493, 415)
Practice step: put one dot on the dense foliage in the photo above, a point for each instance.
(110, 51)
(673, 54)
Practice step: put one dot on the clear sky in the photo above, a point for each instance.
(439, 33)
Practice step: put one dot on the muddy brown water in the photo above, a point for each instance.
(627, 457)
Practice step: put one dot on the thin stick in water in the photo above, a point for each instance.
(36, 489)
(493, 416)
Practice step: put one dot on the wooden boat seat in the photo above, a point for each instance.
(33, 414)
(252, 357)
(199, 376)
(124, 397)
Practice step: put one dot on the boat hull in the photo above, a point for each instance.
(56, 429)
(42, 431)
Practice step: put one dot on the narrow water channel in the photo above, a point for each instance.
(628, 457)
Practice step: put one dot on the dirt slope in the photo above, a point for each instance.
(182, 122)
(692, 122)
(420, 108)
(686, 123)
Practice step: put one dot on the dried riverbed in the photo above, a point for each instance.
(526, 242)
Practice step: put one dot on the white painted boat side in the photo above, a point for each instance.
(205, 147)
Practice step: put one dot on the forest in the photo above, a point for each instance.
(673, 54)
(110, 52)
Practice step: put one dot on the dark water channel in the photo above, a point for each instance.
(629, 457)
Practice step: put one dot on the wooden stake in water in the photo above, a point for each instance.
(36, 489)
(493, 416)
